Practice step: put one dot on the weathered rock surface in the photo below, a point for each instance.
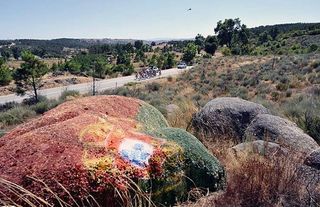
(313, 159)
(281, 131)
(268, 149)
(98, 146)
(227, 116)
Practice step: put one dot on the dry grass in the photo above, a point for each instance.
(255, 180)
(12, 194)
(181, 118)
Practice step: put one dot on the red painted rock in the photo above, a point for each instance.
(107, 148)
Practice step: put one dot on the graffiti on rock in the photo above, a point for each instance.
(136, 152)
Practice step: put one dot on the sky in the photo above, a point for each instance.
(142, 19)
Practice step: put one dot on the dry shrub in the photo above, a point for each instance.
(181, 118)
(254, 180)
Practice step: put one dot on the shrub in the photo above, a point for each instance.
(288, 93)
(207, 56)
(71, 93)
(313, 48)
(304, 111)
(241, 92)
(275, 96)
(32, 101)
(2, 133)
(226, 51)
(153, 86)
(44, 106)
(312, 125)
(260, 181)
(315, 64)
(40, 107)
(7, 106)
(169, 78)
(16, 115)
(282, 87)
(5, 75)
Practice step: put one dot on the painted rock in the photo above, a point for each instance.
(109, 150)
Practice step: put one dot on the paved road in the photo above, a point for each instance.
(83, 88)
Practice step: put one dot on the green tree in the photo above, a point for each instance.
(264, 37)
(274, 32)
(190, 51)
(153, 60)
(29, 75)
(211, 45)
(169, 62)
(160, 61)
(73, 67)
(230, 30)
(139, 56)
(123, 58)
(5, 53)
(100, 68)
(129, 48)
(199, 41)
(5, 73)
(138, 44)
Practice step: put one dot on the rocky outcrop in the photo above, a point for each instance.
(226, 117)
(281, 131)
(313, 159)
(105, 146)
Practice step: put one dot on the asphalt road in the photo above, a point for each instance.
(53, 93)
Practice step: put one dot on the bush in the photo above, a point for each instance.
(226, 51)
(71, 93)
(8, 105)
(315, 64)
(312, 125)
(304, 111)
(32, 101)
(207, 56)
(261, 181)
(16, 115)
(44, 106)
(2, 133)
(313, 48)
(40, 107)
(282, 87)
(5, 75)
(153, 86)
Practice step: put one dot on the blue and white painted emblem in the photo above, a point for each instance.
(136, 152)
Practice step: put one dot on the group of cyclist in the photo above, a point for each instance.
(147, 73)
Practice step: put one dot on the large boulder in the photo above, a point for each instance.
(281, 131)
(226, 116)
(108, 147)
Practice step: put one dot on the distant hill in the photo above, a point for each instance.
(284, 28)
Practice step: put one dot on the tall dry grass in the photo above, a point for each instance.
(181, 118)
(257, 180)
(12, 194)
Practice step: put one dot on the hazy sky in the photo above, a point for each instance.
(142, 19)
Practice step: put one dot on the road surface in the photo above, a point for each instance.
(54, 93)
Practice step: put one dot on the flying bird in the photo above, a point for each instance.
(189, 9)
